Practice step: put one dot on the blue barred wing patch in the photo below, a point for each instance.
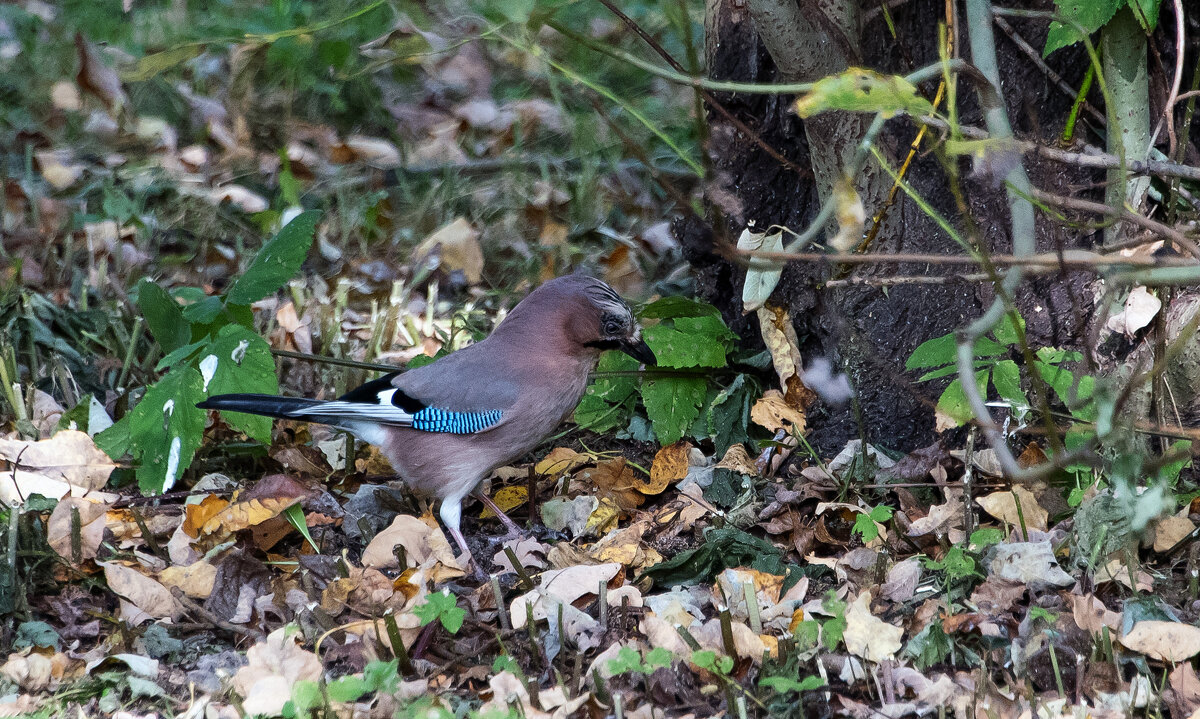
(432, 419)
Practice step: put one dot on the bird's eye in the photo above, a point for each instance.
(612, 327)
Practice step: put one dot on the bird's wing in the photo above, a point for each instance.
(453, 395)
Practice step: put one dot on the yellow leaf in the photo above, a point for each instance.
(246, 514)
(507, 499)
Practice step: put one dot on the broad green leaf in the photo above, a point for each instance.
(238, 360)
(166, 427)
(707, 326)
(116, 440)
(599, 409)
(679, 350)
(1091, 14)
(672, 404)
(858, 89)
(178, 355)
(950, 369)
(348, 688)
(163, 316)
(277, 262)
(762, 275)
(1006, 332)
(1006, 376)
(204, 311)
(676, 306)
(953, 402)
(933, 353)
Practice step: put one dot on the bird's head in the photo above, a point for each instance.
(593, 316)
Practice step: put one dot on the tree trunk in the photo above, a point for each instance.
(866, 328)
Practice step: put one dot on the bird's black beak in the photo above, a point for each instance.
(639, 350)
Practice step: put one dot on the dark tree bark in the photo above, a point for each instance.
(869, 330)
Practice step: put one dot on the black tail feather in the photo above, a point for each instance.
(267, 405)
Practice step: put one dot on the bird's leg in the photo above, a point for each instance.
(451, 513)
(514, 530)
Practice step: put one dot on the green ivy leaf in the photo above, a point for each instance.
(676, 306)
(278, 260)
(672, 404)
(953, 402)
(238, 360)
(1006, 330)
(165, 429)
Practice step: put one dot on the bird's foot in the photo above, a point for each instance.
(514, 529)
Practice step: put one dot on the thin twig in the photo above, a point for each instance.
(1036, 58)
(1120, 213)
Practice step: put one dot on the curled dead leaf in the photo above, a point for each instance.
(773, 412)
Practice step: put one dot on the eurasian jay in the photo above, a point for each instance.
(445, 426)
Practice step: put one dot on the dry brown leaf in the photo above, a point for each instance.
(1170, 530)
(561, 460)
(272, 668)
(373, 151)
(1164, 641)
(424, 546)
(738, 459)
(97, 78)
(58, 168)
(91, 527)
(1140, 308)
(143, 592)
(868, 636)
(242, 515)
(1003, 506)
(30, 670)
(69, 457)
(530, 554)
(1092, 616)
(1114, 570)
(614, 480)
(779, 334)
(196, 579)
(942, 520)
(456, 247)
(670, 465)
(773, 412)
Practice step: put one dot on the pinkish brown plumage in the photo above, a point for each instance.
(447, 425)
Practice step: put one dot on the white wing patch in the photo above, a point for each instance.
(383, 413)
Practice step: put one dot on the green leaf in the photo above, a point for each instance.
(953, 402)
(178, 355)
(1006, 332)
(600, 409)
(163, 316)
(306, 696)
(865, 527)
(348, 688)
(295, 517)
(983, 538)
(658, 658)
(710, 326)
(238, 360)
(115, 440)
(677, 350)
(627, 661)
(860, 90)
(784, 685)
(931, 646)
(166, 428)
(204, 311)
(1146, 12)
(933, 353)
(1006, 377)
(672, 404)
(151, 65)
(444, 607)
(676, 306)
(1091, 14)
(277, 262)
